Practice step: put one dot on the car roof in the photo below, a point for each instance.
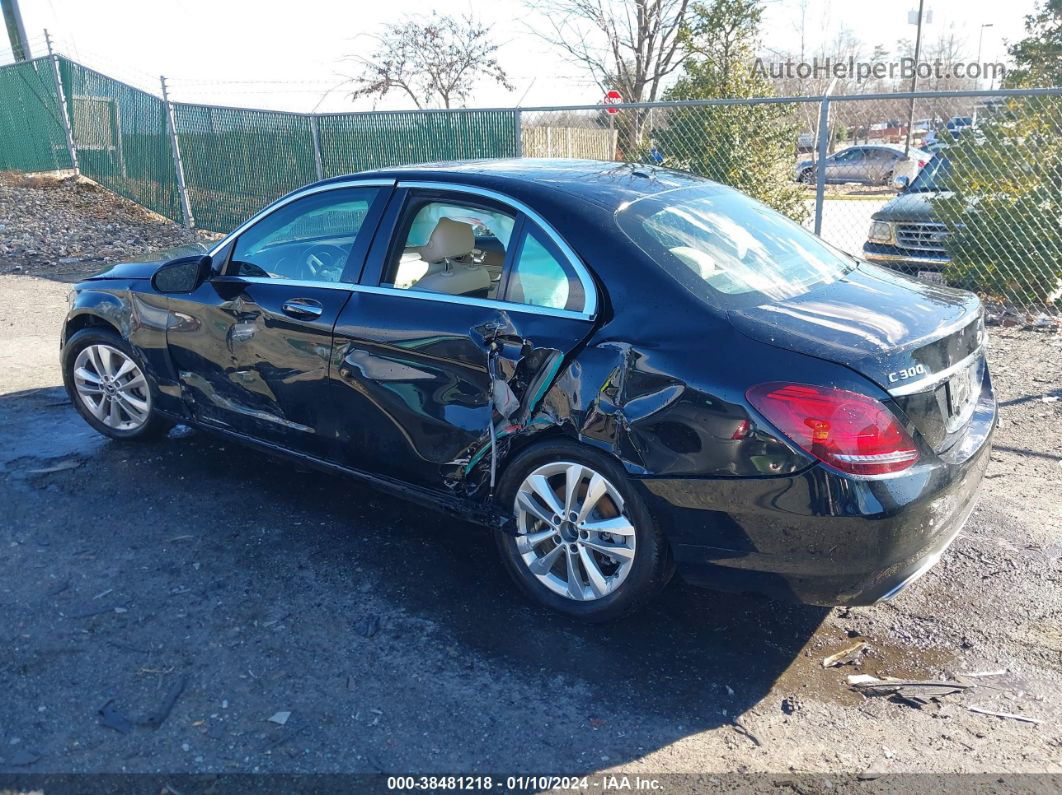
(607, 184)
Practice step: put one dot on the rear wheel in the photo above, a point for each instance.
(108, 387)
(585, 544)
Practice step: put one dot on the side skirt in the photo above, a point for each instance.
(485, 514)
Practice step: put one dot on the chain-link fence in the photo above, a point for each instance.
(963, 188)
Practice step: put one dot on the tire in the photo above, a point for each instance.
(93, 355)
(628, 583)
(807, 176)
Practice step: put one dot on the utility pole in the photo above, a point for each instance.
(178, 164)
(914, 78)
(16, 31)
(65, 113)
(980, 41)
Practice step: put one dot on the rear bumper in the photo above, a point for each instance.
(818, 537)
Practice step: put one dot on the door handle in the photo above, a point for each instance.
(302, 308)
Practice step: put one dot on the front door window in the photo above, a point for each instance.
(309, 239)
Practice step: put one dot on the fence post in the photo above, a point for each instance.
(67, 128)
(182, 189)
(820, 158)
(519, 133)
(315, 133)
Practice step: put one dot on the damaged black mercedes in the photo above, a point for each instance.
(623, 371)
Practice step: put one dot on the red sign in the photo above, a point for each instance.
(611, 98)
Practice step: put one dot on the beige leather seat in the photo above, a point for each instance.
(438, 266)
(449, 240)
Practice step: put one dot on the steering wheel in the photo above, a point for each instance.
(324, 262)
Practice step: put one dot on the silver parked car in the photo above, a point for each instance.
(866, 165)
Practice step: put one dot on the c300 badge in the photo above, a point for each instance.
(907, 372)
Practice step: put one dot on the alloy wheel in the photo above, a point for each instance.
(572, 533)
(112, 387)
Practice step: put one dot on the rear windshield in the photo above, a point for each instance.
(729, 249)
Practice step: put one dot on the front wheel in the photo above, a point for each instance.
(584, 541)
(108, 387)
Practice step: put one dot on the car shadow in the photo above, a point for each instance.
(691, 661)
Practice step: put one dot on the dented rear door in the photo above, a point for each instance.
(413, 381)
(420, 378)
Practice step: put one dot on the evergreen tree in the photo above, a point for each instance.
(747, 146)
(1005, 212)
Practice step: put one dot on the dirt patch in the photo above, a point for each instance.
(62, 226)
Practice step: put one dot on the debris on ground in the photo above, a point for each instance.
(915, 692)
(1044, 322)
(69, 225)
(1001, 316)
(92, 612)
(279, 718)
(23, 758)
(180, 432)
(112, 718)
(155, 719)
(1010, 715)
(62, 466)
(368, 626)
(997, 314)
(846, 656)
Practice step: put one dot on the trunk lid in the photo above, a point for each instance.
(922, 343)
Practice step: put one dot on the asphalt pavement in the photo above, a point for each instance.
(189, 605)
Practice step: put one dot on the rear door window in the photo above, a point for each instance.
(453, 248)
(541, 276)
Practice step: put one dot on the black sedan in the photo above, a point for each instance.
(621, 370)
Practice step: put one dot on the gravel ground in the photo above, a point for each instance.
(248, 588)
(64, 227)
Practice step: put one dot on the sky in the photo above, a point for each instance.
(267, 54)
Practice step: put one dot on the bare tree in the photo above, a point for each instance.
(435, 62)
(627, 45)
(631, 46)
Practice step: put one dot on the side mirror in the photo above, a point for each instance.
(182, 275)
(901, 183)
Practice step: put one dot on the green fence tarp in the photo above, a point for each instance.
(359, 141)
(236, 160)
(122, 138)
(32, 137)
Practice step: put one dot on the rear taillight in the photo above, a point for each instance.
(849, 431)
(922, 163)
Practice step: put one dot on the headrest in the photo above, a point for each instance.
(449, 239)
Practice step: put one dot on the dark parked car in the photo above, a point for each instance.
(621, 370)
(905, 234)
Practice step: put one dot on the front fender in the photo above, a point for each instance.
(140, 317)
